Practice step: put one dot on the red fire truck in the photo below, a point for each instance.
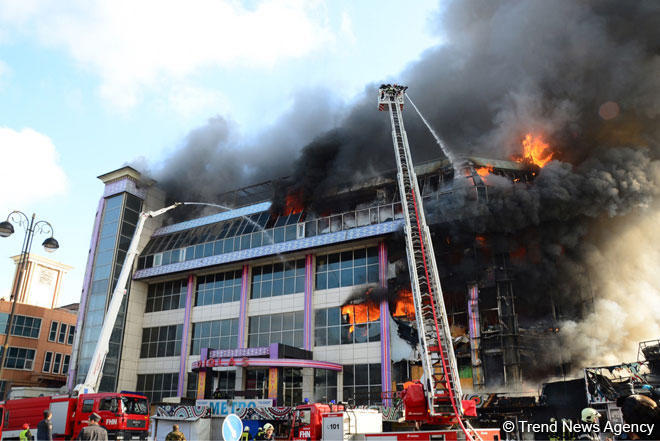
(323, 422)
(124, 415)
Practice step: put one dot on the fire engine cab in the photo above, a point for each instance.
(124, 415)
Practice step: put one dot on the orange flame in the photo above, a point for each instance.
(481, 240)
(360, 313)
(293, 204)
(405, 306)
(535, 151)
(484, 171)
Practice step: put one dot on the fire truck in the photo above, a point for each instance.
(124, 415)
(327, 422)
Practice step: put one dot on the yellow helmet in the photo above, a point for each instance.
(589, 414)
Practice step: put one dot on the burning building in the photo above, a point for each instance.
(278, 302)
(534, 278)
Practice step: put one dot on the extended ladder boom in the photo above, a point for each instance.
(438, 360)
(93, 378)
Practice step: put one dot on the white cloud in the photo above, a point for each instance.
(136, 44)
(29, 167)
(190, 101)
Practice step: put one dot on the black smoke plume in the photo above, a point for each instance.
(583, 74)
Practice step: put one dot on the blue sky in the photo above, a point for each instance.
(86, 86)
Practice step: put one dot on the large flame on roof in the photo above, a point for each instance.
(535, 151)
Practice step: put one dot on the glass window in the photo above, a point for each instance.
(19, 358)
(347, 268)
(286, 328)
(278, 279)
(347, 324)
(325, 385)
(65, 364)
(88, 406)
(362, 384)
(48, 358)
(161, 341)
(62, 336)
(23, 326)
(167, 295)
(158, 386)
(217, 334)
(57, 362)
(226, 385)
(72, 331)
(218, 288)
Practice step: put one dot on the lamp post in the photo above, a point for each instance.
(50, 245)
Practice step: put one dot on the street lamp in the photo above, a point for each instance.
(50, 245)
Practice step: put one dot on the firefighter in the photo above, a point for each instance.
(267, 434)
(175, 435)
(245, 436)
(25, 434)
(590, 416)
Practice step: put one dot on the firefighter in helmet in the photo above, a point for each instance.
(25, 434)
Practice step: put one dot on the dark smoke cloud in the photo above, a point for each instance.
(507, 68)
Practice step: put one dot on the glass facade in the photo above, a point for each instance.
(256, 382)
(120, 216)
(191, 387)
(167, 295)
(286, 328)
(325, 385)
(218, 288)
(254, 231)
(332, 327)
(362, 383)
(157, 386)
(226, 384)
(292, 386)
(161, 341)
(347, 268)
(278, 279)
(216, 334)
(23, 326)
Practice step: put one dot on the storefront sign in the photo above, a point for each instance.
(240, 352)
(225, 407)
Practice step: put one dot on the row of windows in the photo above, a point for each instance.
(286, 328)
(223, 237)
(219, 288)
(167, 295)
(335, 326)
(332, 328)
(161, 341)
(157, 386)
(19, 358)
(22, 326)
(56, 363)
(347, 268)
(217, 334)
(278, 279)
(61, 332)
(362, 384)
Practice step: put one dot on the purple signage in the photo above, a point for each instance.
(241, 352)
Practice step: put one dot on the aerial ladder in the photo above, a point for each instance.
(442, 383)
(95, 372)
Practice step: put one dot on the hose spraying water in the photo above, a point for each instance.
(445, 150)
